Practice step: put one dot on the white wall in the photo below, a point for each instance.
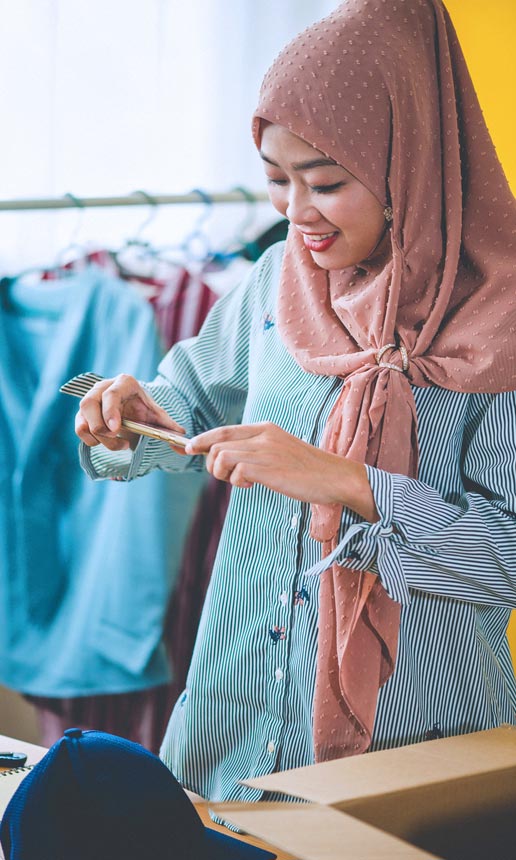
(105, 97)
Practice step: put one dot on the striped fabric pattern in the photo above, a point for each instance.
(445, 545)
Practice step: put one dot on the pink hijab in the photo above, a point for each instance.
(381, 86)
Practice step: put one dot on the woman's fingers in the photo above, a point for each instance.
(91, 423)
(231, 433)
(231, 450)
(256, 453)
(111, 400)
(103, 408)
(82, 430)
(229, 464)
(265, 454)
(93, 431)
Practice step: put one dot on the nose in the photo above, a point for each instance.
(300, 208)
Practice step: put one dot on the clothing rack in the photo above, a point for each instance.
(137, 198)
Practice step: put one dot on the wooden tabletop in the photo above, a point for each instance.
(34, 753)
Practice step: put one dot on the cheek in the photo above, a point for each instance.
(376, 216)
(367, 216)
(278, 198)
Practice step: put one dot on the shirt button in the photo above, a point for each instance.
(283, 598)
(294, 521)
(271, 747)
(278, 674)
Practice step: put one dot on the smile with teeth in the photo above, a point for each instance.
(319, 241)
(315, 237)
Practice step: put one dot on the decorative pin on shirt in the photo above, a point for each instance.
(268, 322)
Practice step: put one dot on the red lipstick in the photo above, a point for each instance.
(319, 241)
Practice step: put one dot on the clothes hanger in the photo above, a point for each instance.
(69, 260)
(73, 257)
(243, 228)
(136, 251)
(195, 247)
(239, 240)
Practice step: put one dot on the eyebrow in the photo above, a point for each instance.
(304, 165)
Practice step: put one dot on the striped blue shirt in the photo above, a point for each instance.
(445, 546)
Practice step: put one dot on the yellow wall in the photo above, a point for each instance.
(486, 31)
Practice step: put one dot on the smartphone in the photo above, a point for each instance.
(155, 432)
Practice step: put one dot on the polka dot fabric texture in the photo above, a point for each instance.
(381, 86)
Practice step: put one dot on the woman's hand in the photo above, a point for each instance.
(99, 419)
(265, 454)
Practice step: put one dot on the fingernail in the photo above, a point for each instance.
(112, 424)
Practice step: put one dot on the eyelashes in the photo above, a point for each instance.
(318, 189)
(327, 189)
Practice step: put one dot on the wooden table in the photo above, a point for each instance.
(35, 753)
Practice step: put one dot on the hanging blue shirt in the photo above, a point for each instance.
(85, 571)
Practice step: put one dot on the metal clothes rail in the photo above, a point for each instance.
(137, 198)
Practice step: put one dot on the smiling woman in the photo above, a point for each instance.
(357, 391)
(341, 222)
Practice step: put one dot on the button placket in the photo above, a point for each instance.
(277, 634)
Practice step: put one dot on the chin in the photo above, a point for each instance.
(331, 262)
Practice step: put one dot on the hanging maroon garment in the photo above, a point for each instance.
(181, 306)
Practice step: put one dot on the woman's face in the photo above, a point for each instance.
(341, 222)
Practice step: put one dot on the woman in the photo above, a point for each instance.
(357, 391)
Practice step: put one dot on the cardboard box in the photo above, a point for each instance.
(453, 799)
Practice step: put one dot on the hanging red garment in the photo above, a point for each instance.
(181, 306)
